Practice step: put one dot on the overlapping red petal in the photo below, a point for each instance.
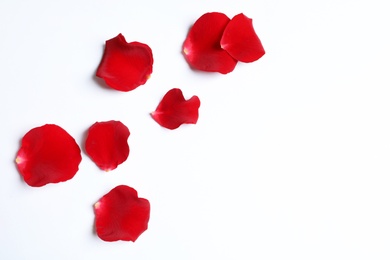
(121, 215)
(174, 110)
(240, 40)
(202, 48)
(106, 144)
(125, 66)
(48, 154)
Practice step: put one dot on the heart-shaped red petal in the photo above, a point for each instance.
(125, 66)
(48, 154)
(241, 41)
(202, 48)
(174, 110)
(106, 144)
(121, 215)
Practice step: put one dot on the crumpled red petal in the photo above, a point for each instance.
(125, 66)
(106, 144)
(241, 41)
(174, 110)
(48, 154)
(202, 48)
(121, 215)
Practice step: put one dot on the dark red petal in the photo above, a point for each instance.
(202, 48)
(241, 41)
(107, 145)
(174, 110)
(48, 154)
(121, 215)
(125, 66)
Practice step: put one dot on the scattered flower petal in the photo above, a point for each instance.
(202, 48)
(48, 154)
(241, 41)
(125, 66)
(106, 144)
(174, 110)
(121, 215)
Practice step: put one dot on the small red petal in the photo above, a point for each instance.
(241, 41)
(125, 66)
(174, 110)
(202, 48)
(48, 154)
(106, 144)
(121, 215)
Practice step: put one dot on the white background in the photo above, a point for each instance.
(290, 158)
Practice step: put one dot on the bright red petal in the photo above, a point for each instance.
(48, 154)
(121, 215)
(202, 48)
(241, 41)
(107, 145)
(125, 66)
(174, 110)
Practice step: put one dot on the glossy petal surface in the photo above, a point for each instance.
(106, 144)
(48, 154)
(174, 110)
(125, 66)
(202, 48)
(121, 215)
(241, 41)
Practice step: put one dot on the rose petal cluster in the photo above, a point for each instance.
(215, 43)
(49, 154)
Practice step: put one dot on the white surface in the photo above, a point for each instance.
(290, 158)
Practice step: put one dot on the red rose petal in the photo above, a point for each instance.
(48, 154)
(106, 144)
(125, 66)
(121, 215)
(202, 48)
(241, 41)
(174, 110)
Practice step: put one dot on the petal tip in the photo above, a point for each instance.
(18, 160)
(97, 205)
